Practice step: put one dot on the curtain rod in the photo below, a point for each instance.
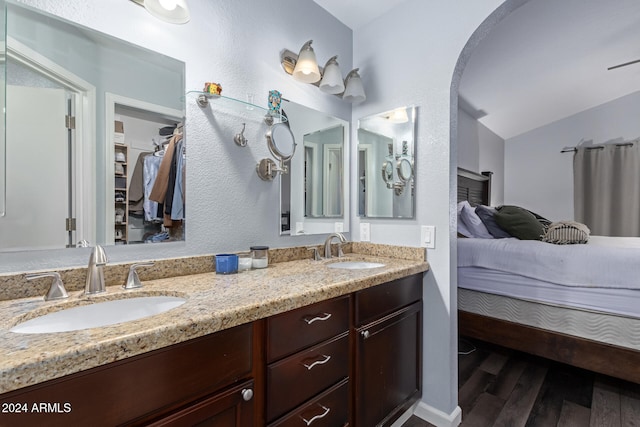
(595, 147)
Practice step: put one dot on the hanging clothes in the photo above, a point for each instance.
(136, 186)
(177, 208)
(151, 165)
(162, 179)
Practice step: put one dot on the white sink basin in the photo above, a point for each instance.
(355, 265)
(98, 314)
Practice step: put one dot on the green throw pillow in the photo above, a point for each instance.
(519, 222)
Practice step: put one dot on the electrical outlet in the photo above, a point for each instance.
(338, 227)
(428, 236)
(365, 232)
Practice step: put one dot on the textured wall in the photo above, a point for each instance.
(236, 43)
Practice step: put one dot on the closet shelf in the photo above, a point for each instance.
(205, 99)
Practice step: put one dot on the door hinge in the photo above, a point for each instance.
(70, 122)
(71, 224)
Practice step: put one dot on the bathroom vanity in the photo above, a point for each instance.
(298, 343)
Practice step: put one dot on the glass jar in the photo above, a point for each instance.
(259, 256)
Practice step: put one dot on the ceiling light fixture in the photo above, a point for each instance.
(172, 11)
(303, 67)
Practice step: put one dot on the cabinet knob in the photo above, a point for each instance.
(247, 394)
(365, 334)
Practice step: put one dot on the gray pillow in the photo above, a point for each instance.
(519, 222)
(486, 214)
(474, 223)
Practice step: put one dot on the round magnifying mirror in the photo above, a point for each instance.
(387, 172)
(281, 141)
(405, 169)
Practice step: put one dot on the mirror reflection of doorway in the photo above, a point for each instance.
(45, 145)
(332, 174)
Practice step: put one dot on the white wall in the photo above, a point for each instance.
(480, 149)
(410, 56)
(540, 178)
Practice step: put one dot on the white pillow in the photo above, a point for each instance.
(462, 228)
(473, 222)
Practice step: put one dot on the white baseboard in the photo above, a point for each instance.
(405, 417)
(437, 417)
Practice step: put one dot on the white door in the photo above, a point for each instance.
(37, 170)
(332, 171)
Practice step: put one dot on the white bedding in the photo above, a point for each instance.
(604, 262)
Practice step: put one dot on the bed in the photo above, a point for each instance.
(576, 304)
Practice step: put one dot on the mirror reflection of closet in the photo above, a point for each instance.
(386, 150)
(77, 159)
(141, 134)
(314, 194)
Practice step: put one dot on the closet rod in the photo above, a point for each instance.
(595, 147)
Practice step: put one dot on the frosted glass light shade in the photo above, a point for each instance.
(306, 69)
(399, 115)
(354, 91)
(172, 11)
(332, 79)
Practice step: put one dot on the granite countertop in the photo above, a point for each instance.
(214, 302)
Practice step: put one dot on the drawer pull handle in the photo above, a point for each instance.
(365, 334)
(317, 362)
(324, 317)
(317, 417)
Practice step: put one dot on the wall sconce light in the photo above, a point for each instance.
(306, 68)
(172, 11)
(303, 67)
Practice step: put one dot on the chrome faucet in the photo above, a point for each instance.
(327, 244)
(95, 276)
(57, 290)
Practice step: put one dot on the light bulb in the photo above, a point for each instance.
(168, 4)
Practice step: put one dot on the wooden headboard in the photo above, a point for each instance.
(476, 188)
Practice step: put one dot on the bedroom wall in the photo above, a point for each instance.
(540, 178)
(480, 149)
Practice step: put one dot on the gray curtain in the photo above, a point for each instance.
(607, 189)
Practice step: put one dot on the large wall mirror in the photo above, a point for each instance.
(314, 194)
(386, 168)
(86, 116)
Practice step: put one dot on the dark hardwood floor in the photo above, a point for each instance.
(498, 387)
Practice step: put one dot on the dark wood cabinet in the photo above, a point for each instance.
(140, 389)
(388, 351)
(318, 335)
(353, 360)
(231, 408)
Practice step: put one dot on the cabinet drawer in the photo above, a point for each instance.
(297, 378)
(294, 330)
(378, 301)
(327, 410)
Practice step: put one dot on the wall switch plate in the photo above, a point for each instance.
(338, 227)
(365, 232)
(428, 236)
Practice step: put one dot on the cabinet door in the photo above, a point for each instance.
(388, 372)
(233, 408)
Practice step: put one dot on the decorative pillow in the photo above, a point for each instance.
(474, 223)
(486, 214)
(567, 233)
(519, 223)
